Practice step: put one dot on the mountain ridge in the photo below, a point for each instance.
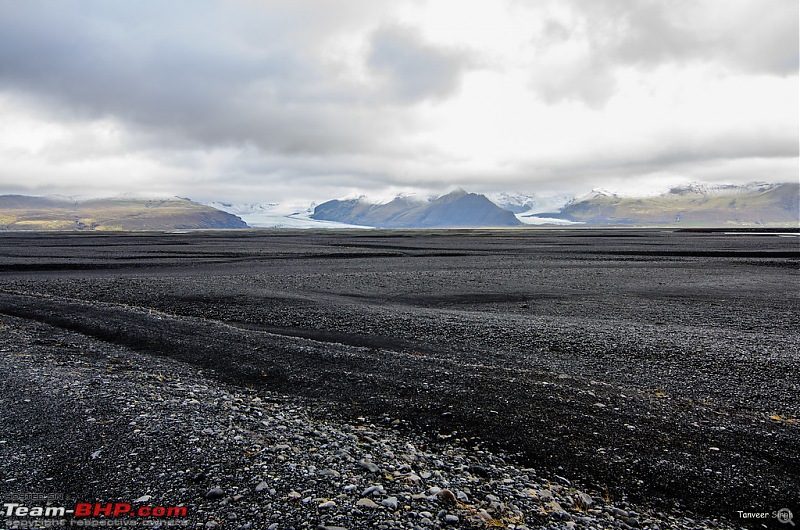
(457, 209)
(24, 212)
(693, 204)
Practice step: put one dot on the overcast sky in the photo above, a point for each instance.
(274, 100)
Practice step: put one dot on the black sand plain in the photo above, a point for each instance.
(656, 365)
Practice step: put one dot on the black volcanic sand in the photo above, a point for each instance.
(657, 366)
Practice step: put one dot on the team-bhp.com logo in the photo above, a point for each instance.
(120, 509)
(87, 509)
(84, 513)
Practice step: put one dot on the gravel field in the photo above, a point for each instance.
(539, 378)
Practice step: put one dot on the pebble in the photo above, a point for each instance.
(215, 493)
(446, 496)
(390, 502)
(366, 503)
(373, 489)
(583, 500)
(369, 466)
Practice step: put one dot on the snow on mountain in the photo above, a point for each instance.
(456, 209)
(386, 197)
(278, 215)
(712, 190)
(692, 204)
(529, 203)
(687, 202)
(596, 193)
(246, 209)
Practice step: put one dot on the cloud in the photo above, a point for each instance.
(412, 70)
(579, 52)
(754, 37)
(281, 97)
(204, 73)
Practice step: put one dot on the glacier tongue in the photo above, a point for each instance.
(278, 215)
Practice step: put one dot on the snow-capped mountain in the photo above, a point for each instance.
(694, 204)
(456, 209)
(596, 193)
(529, 203)
(702, 188)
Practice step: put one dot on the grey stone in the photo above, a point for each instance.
(369, 466)
(215, 493)
(390, 502)
(583, 500)
(366, 503)
(373, 489)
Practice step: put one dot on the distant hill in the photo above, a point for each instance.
(19, 212)
(458, 209)
(756, 204)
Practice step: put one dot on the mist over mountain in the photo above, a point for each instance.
(693, 204)
(454, 210)
(696, 204)
(20, 212)
(529, 203)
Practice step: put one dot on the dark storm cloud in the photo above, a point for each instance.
(204, 72)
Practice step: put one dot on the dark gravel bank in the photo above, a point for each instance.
(644, 367)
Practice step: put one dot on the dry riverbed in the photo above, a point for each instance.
(566, 379)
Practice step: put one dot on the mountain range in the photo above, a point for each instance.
(19, 212)
(456, 209)
(755, 204)
(691, 205)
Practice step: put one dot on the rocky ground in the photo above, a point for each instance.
(565, 379)
(102, 423)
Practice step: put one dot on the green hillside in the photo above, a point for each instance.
(19, 212)
(756, 205)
